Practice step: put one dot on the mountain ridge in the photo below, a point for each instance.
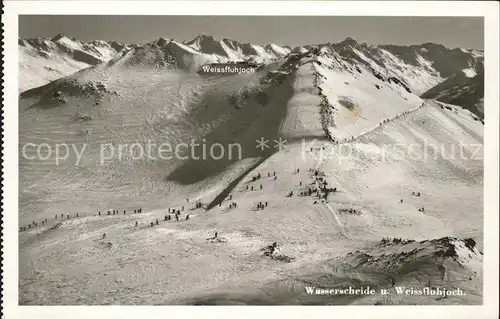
(429, 69)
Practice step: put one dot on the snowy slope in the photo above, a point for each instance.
(411, 272)
(309, 99)
(352, 99)
(371, 178)
(43, 60)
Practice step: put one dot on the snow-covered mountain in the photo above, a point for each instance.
(461, 69)
(420, 67)
(360, 144)
(42, 60)
(235, 51)
(191, 55)
(464, 88)
(451, 75)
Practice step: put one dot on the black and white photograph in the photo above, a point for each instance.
(251, 159)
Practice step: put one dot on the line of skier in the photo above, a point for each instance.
(33, 224)
(251, 188)
(176, 212)
(117, 212)
(77, 215)
(167, 217)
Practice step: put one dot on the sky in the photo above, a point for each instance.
(452, 32)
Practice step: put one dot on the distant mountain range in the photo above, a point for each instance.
(42, 60)
(454, 76)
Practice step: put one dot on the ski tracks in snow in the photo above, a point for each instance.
(320, 161)
(337, 219)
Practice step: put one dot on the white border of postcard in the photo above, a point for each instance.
(489, 10)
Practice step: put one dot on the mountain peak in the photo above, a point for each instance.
(200, 39)
(204, 37)
(58, 37)
(163, 41)
(349, 41)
